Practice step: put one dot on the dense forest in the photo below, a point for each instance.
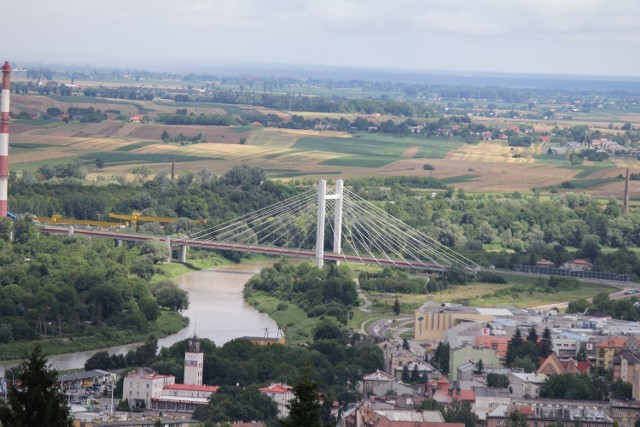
(53, 287)
(319, 292)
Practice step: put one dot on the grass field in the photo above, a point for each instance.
(520, 292)
(125, 158)
(136, 145)
(381, 146)
(459, 179)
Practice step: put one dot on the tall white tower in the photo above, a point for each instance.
(193, 362)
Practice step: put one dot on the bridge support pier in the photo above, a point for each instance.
(322, 193)
(337, 220)
(118, 243)
(70, 232)
(168, 242)
(183, 254)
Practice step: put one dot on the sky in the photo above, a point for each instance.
(576, 37)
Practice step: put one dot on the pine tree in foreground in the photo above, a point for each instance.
(36, 399)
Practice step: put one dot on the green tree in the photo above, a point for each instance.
(514, 343)
(142, 172)
(532, 336)
(441, 356)
(460, 412)
(497, 380)
(241, 175)
(156, 250)
(170, 296)
(396, 307)
(582, 355)
(545, 345)
(232, 403)
(304, 408)
(517, 419)
(431, 405)
(406, 377)
(621, 389)
(37, 401)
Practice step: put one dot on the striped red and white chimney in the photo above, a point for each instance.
(4, 140)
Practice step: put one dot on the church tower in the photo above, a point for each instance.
(193, 362)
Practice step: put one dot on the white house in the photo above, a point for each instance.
(281, 394)
(142, 385)
(526, 385)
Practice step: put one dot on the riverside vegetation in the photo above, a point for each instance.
(48, 293)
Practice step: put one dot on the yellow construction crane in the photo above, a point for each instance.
(137, 216)
(58, 219)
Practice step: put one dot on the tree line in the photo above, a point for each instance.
(74, 286)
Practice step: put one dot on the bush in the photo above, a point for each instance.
(489, 277)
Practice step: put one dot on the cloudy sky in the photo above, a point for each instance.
(583, 37)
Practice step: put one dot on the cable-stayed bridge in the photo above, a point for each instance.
(322, 224)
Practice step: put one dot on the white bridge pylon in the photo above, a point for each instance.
(337, 219)
(362, 233)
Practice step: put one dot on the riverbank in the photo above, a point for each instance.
(168, 322)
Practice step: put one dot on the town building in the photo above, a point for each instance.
(281, 394)
(182, 397)
(540, 412)
(467, 353)
(553, 365)
(577, 265)
(526, 385)
(623, 364)
(431, 321)
(371, 380)
(606, 349)
(193, 362)
(142, 385)
(366, 416)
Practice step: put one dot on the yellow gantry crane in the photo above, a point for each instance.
(58, 219)
(132, 219)
(137, 216)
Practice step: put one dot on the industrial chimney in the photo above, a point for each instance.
(4, 141)
(626, 193)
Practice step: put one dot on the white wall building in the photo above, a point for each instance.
(182, 397)
(144, 384)
(193, 362)
(281, 394)
(526, 385)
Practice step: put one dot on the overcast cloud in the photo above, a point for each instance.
(592, 37)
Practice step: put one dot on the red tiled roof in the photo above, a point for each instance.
(526, 410)
(466, 395)
(192, 387)
(580, 262)
(276, 388)
(584, 366)
(612, 343)
(442, 380)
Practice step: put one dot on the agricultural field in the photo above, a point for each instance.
(288, 154)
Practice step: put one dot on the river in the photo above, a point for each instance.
(216, 311)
